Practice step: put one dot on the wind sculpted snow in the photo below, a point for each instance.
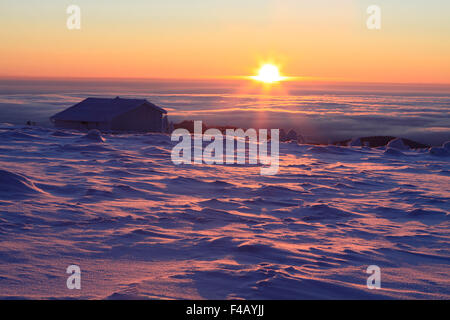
(140, 227)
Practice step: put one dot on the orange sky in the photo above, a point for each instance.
(323, 39)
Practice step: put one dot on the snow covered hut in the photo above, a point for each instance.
(113, 115)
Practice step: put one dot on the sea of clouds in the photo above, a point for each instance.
(321, 114)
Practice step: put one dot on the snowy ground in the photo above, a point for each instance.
(139, 227)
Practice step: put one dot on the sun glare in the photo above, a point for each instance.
(269, 73)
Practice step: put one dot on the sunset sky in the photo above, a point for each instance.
(322, 39)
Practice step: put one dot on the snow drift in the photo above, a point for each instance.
(140, 227)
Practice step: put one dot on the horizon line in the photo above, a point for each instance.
(298, 79)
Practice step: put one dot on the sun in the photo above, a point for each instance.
(269, 73)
